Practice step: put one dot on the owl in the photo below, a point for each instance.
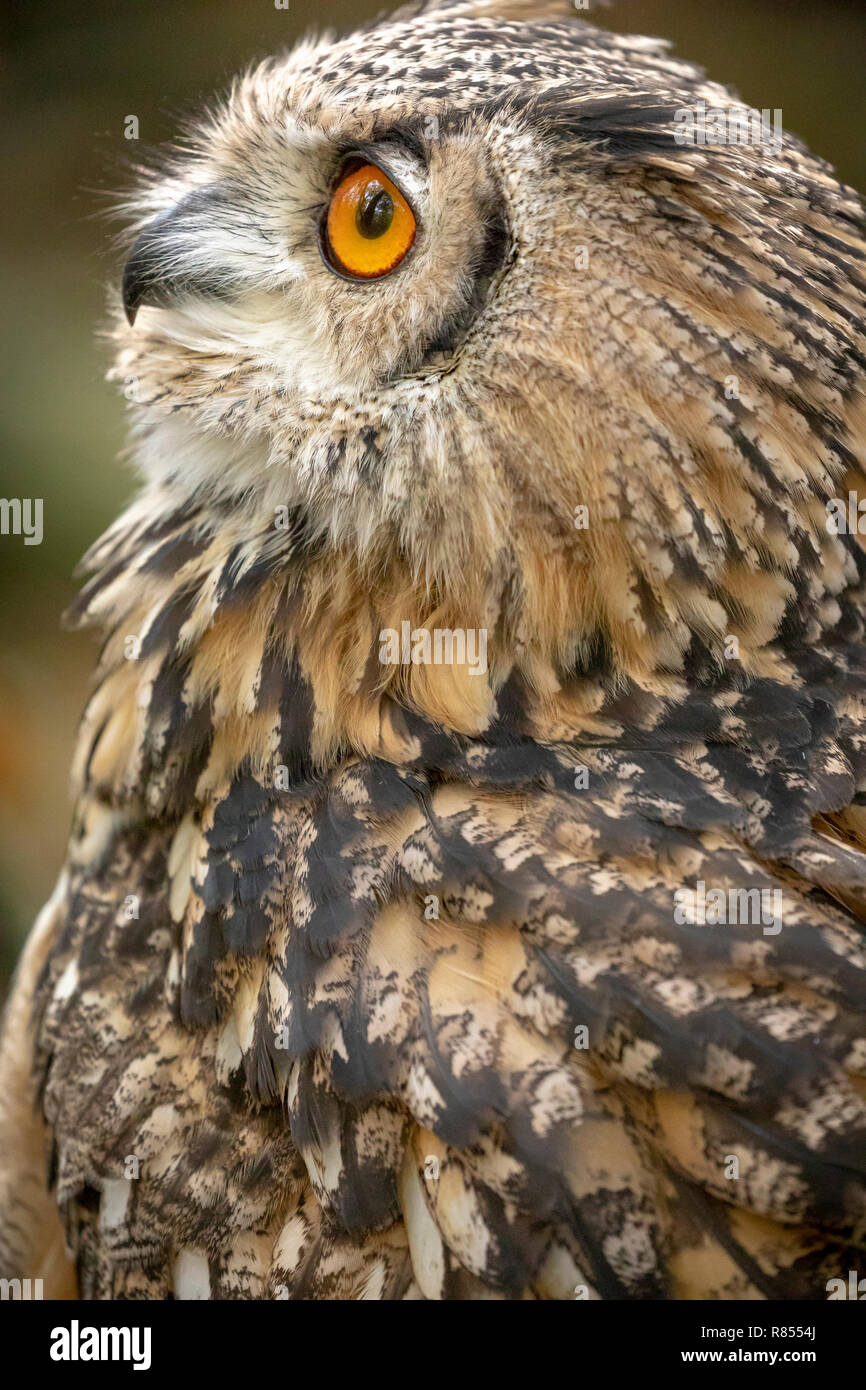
(466, 885)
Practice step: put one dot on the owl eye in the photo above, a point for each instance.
(369, 226)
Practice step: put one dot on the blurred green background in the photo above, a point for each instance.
(72, 71)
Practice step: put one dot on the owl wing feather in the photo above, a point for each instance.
(435, 1029)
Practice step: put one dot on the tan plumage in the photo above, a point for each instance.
(310, 1019)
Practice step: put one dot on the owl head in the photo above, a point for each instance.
(474, 305)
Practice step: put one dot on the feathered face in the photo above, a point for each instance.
(452, 291)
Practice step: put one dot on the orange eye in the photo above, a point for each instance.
(370, 226)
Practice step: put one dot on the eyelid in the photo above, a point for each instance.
(405, 170)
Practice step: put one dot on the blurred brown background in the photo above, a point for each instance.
(72, 71)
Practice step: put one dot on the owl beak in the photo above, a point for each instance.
(169, 260)
(138, 276)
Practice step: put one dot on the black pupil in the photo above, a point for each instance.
(375, 211)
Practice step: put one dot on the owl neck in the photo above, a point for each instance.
(253, 648)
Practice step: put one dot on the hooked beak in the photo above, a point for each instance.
(169, 260)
